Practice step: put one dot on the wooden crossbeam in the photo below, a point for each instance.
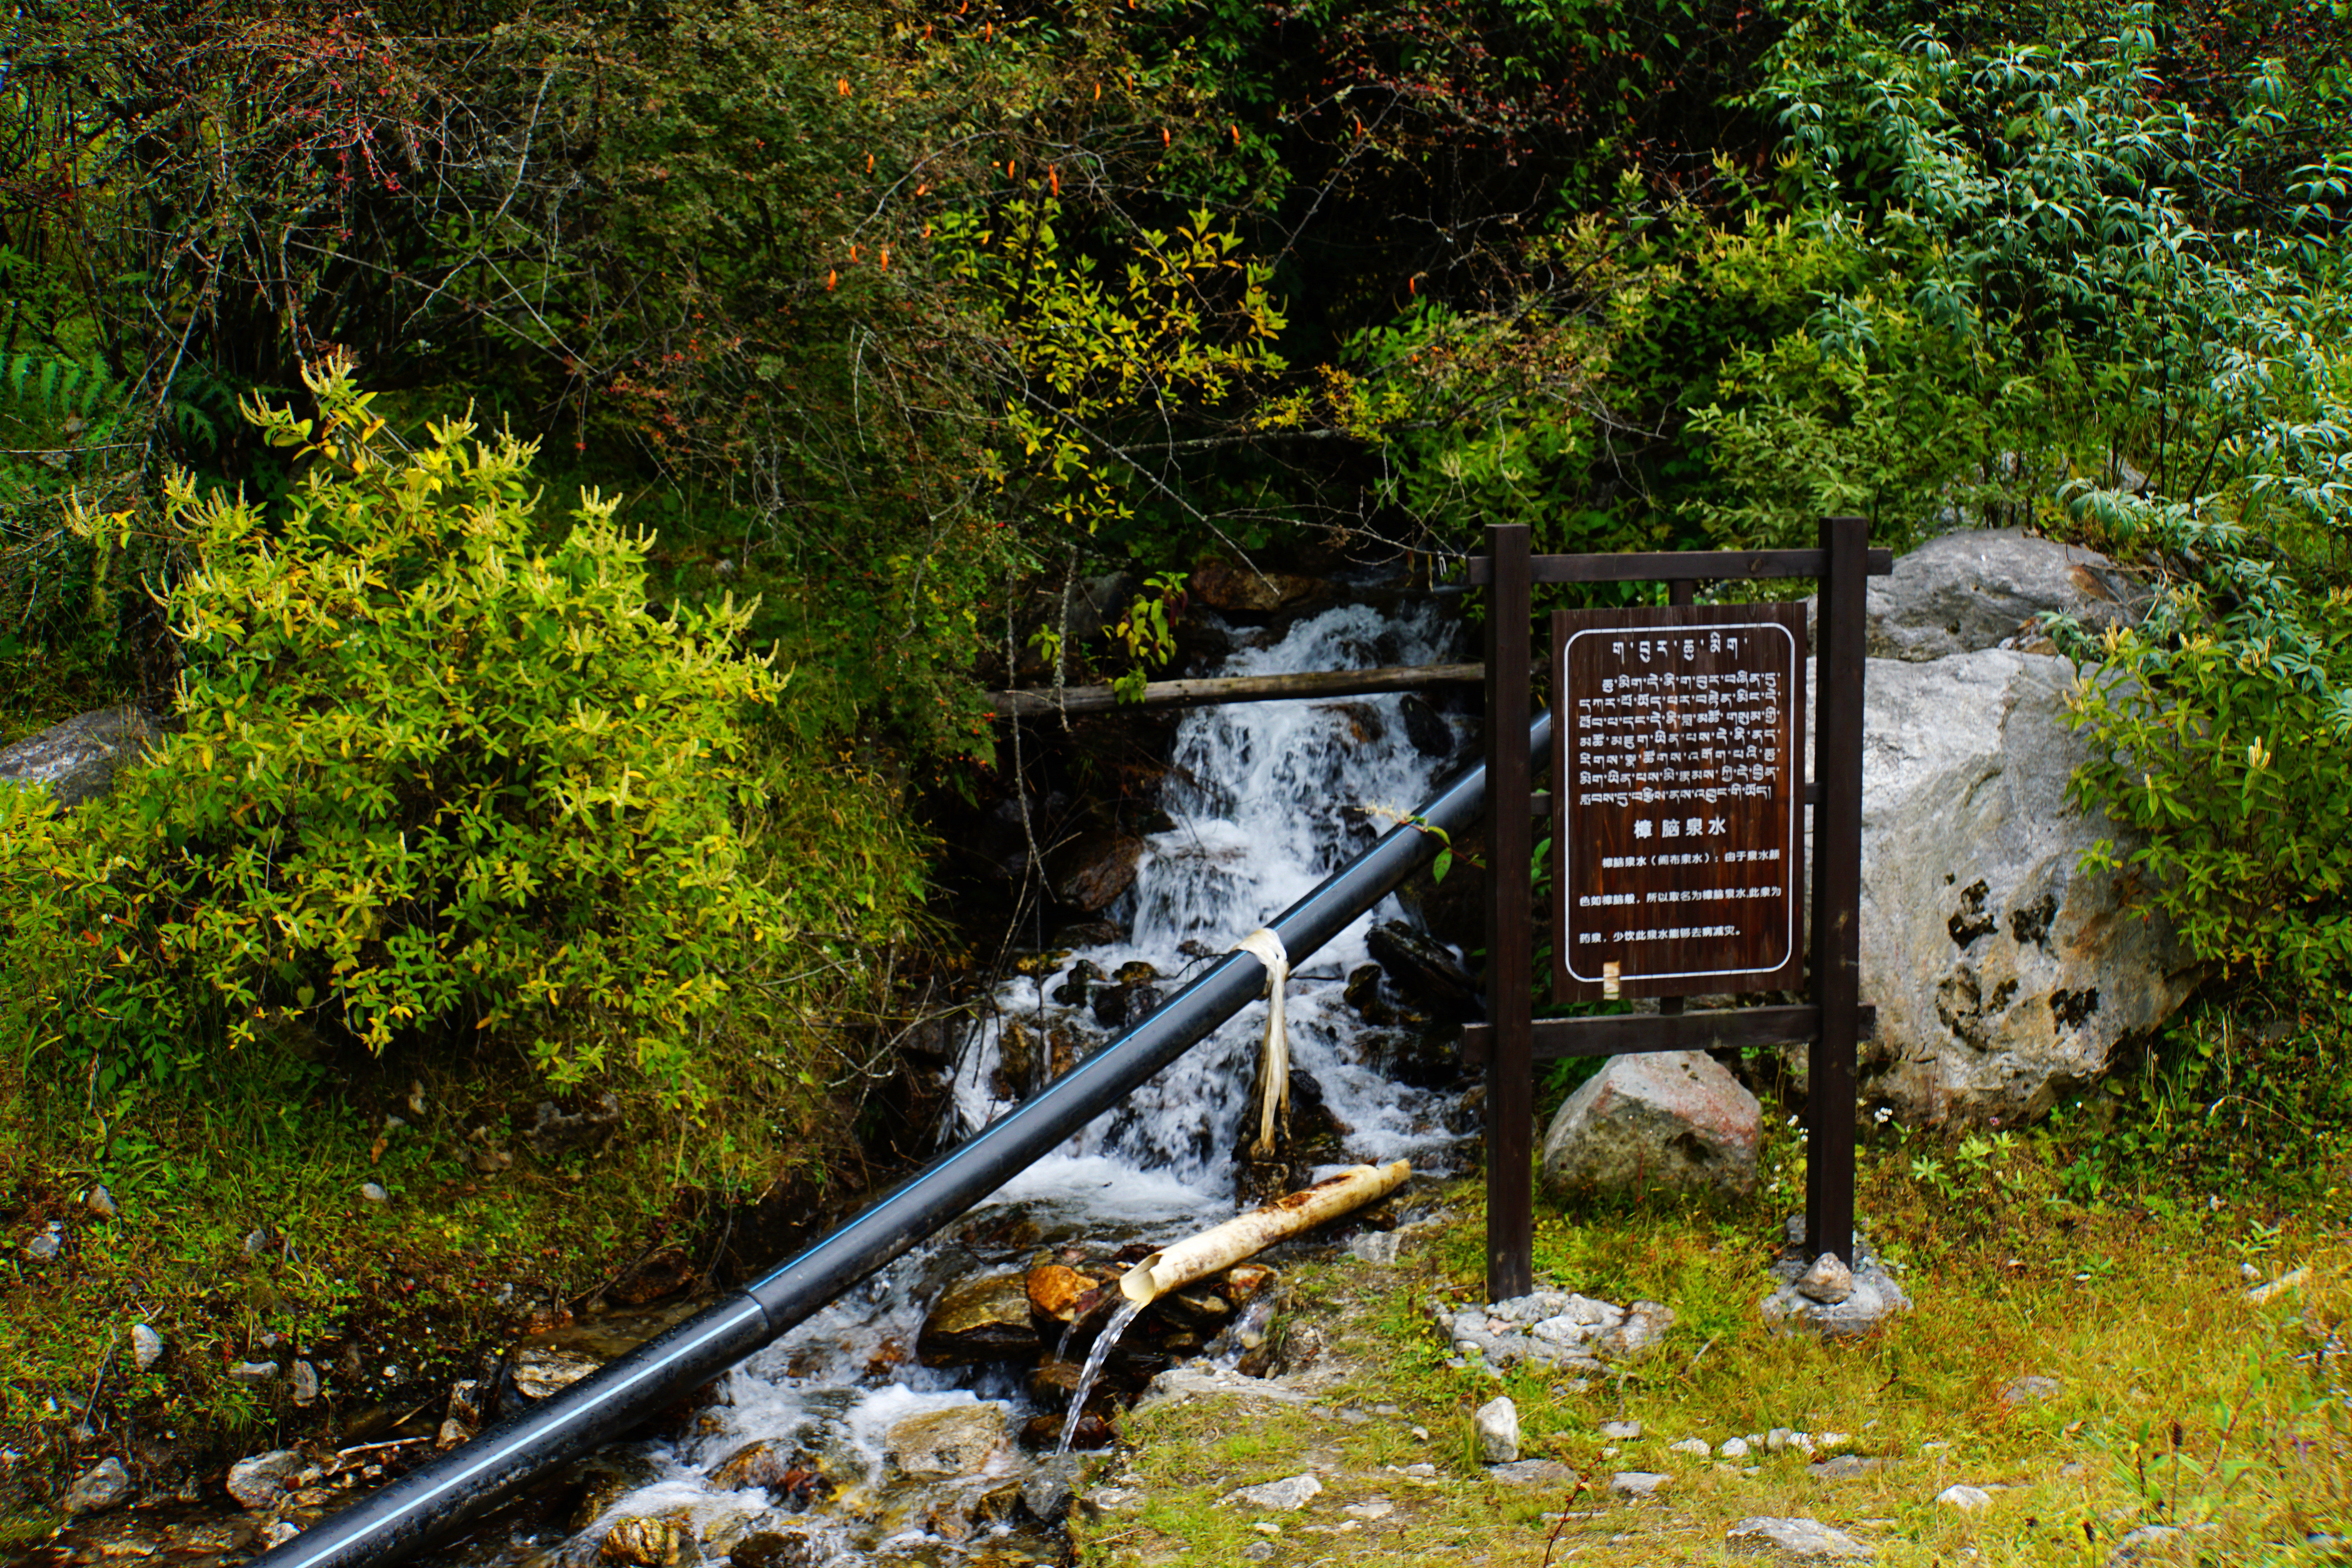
(1677, 566)
(1636, 1034)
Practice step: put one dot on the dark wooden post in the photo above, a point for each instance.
(1837, 883)
(1510, 927)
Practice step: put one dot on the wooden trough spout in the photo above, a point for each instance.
(1246, 1235)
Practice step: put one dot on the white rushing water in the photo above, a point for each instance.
(1267, 799)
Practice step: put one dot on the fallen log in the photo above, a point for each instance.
(1031, 703)
(1221, 1247)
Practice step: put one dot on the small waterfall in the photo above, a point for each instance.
(1269, 799)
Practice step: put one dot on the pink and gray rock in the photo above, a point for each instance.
(1675, 1119)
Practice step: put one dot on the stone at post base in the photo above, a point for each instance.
(1873, 1301)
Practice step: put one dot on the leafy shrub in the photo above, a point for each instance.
(2227, 755)
(437, 775)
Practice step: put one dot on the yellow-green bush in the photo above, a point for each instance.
(439, 772)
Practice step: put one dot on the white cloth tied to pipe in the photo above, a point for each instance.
(1274, 1074)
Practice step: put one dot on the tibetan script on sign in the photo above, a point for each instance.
(1677, 838)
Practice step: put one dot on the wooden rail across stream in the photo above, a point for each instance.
(1034, 702)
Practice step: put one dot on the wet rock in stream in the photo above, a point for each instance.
(1060, 1292)
(791, 1474)
(1424, 969)
(960, 1440)
(982, 1319)
(647, 1543)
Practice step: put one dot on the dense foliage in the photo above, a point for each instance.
(879, 316)
(436, 769)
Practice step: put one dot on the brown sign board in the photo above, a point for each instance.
(1678, 830)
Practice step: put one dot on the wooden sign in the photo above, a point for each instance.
(1678, 832)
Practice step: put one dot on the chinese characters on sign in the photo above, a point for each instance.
(1676, 834)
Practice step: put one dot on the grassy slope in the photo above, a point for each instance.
(390, 1302)
(2181, 1401)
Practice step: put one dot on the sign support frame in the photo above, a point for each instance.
(1511, 1040)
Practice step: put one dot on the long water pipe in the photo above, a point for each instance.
(437, 1499)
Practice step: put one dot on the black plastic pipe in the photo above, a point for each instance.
(430, 1502)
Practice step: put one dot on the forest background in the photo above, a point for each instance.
(573, 471)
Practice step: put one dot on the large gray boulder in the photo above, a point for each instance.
(76, 760)
(2005, 974)
(1966, 592)
(1675, 1119)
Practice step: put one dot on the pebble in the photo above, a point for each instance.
(104, 1485)
(1782, 1440)
(46, 1244)
(1371, 1508)
(1966, 1499)
(1620, 1431)
(1378, 1247)
(254, 1371)
(2149, 1544)
(1695, 1447)
(1802, 1540)
(256, 1241)
(1827, 1282)
(1844, 1467)
(303, 1378)
(1287, 1495)
(1497, 1427)
(2284, 1282)
(1533, 1473)
(2031, 1389)
(1636, 1483)
(146, 1347)
(374, 1193)
(1733, 1449)
(101, 1203)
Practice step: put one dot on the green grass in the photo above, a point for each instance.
(2180, 1401)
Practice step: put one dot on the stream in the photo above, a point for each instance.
(843, 1443)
